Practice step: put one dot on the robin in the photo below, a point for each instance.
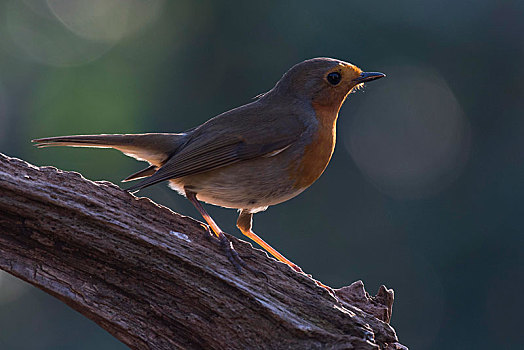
(260, 154)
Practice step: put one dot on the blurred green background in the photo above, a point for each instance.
(423, 194)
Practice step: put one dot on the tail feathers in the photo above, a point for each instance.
(150, 170)
(103, 141)
(153, 148)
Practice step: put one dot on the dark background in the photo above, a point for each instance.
(424, 191)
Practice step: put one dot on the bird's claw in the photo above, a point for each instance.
(231, 254)
(298, 269)
(317, 282)
(208, 233)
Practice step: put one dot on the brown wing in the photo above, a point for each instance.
(213, 145)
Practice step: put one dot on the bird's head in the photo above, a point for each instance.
(323, 81)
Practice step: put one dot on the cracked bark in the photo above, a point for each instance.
(149, 276)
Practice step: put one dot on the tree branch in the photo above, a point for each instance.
(150, 277)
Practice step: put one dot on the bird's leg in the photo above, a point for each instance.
(245, 224)
(226, 245)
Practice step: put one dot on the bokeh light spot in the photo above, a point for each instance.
(105, 20)
(44, 39)
(73, 32)
(409, 137)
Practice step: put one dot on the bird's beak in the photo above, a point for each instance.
(368, 76)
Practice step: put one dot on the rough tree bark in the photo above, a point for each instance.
(150, 277)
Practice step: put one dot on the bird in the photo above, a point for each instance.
(251, 157)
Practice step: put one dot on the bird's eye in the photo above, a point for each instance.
(333, 78)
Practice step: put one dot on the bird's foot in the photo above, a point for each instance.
(318, 283)
(231, 254)
(326, 287)
(297, 269)
(208, 234)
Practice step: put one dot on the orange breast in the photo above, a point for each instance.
(318, 153)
